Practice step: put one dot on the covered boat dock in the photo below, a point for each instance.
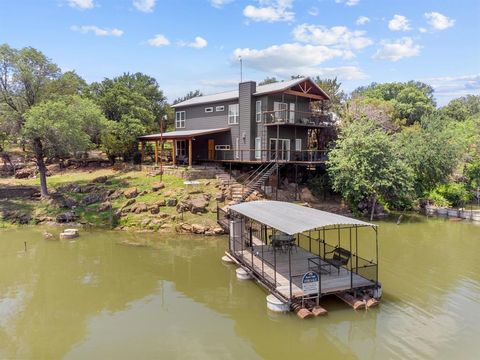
(299, 253)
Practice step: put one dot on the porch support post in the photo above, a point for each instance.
(190, 152)
(376, 254)
(290, 270)
(142, 151)
(351, 262)
(356, 248)
(174, 153)
(156, 152)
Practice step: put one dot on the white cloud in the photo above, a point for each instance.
(85, 29)
(287, 59)
(338, 36)
(422, 30)
(144, 5)
(219, 3)
(220, 83)
(313, 11)
(158, 40)
(439, 21)
(270, 11)
(362, 20)
(399, 23)
(199, 43)
(449, 87)
(397, 50)
(348, 2)
(81, 4)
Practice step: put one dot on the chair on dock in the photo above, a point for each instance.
(340, 257)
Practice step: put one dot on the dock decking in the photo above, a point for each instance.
(333, 280)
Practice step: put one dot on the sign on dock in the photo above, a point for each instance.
(310, 283)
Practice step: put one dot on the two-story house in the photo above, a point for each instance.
(254, 124)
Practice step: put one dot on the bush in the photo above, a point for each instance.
(454, 194)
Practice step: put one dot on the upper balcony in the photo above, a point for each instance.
(314, 119)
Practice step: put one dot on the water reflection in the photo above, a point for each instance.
(96, 298)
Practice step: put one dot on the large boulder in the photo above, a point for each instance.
(198, 205)
(139, 208)
(131, 193)
(100, 179)
(307, 196)
(171, 202)
(24, 173)
(107, 205)
(158, 186)
(68, 216)
(199, 229)
(91, 199)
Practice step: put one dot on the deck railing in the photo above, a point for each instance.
(262, 155)
(313, 118)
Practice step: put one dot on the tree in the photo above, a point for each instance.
(364, 166)
(134, 101)
(24, 76)
(69, 83)
(378, 110)
(432, 150)
(61, 127)
(411, 100)
(189, 95)
(268, 80)
(462, 108)
(332, 88)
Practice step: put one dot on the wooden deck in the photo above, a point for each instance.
(332, 281)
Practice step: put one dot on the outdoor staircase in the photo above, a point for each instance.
(257, 179)
(240, 191)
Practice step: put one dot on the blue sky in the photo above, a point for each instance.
(196, 44)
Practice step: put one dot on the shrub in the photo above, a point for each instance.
(454, 194)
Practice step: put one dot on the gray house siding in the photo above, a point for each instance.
(247, 130)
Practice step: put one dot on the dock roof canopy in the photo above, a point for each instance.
(181, 134)
(291, 218)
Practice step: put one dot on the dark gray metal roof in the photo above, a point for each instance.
(232, 95)
(182, 134)
(292, 218)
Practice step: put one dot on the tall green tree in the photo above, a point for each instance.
(432, 150)
(364, 166)
(268, 80)
(24, 77)
(136, 103)
(61, 128)
(188, 96)
(462, 108)
(411, 100)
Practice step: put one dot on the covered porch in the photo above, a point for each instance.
(181, 149)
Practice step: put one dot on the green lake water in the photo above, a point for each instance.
(94, 298)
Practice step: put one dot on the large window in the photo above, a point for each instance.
(233, 112)
(258, 111)
(180, 119)
(237, 148)
(181, 148)
(258, 150)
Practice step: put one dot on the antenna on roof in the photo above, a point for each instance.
(241, 68)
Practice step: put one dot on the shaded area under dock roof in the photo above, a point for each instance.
(181, 134)
(291, 218)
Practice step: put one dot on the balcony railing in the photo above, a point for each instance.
(315, 118)
(262, 155)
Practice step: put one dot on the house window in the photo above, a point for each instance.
(280, 111)
(209, 109)
(258, 150)
(258, 111)
(233, 111)
(220, 108)
(180, 119)
(237, 148)
(181, 148)
(298, 144)
(222, 147)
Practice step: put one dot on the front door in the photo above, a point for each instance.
(211, 149)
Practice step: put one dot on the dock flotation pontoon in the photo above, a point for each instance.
(300, 254)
